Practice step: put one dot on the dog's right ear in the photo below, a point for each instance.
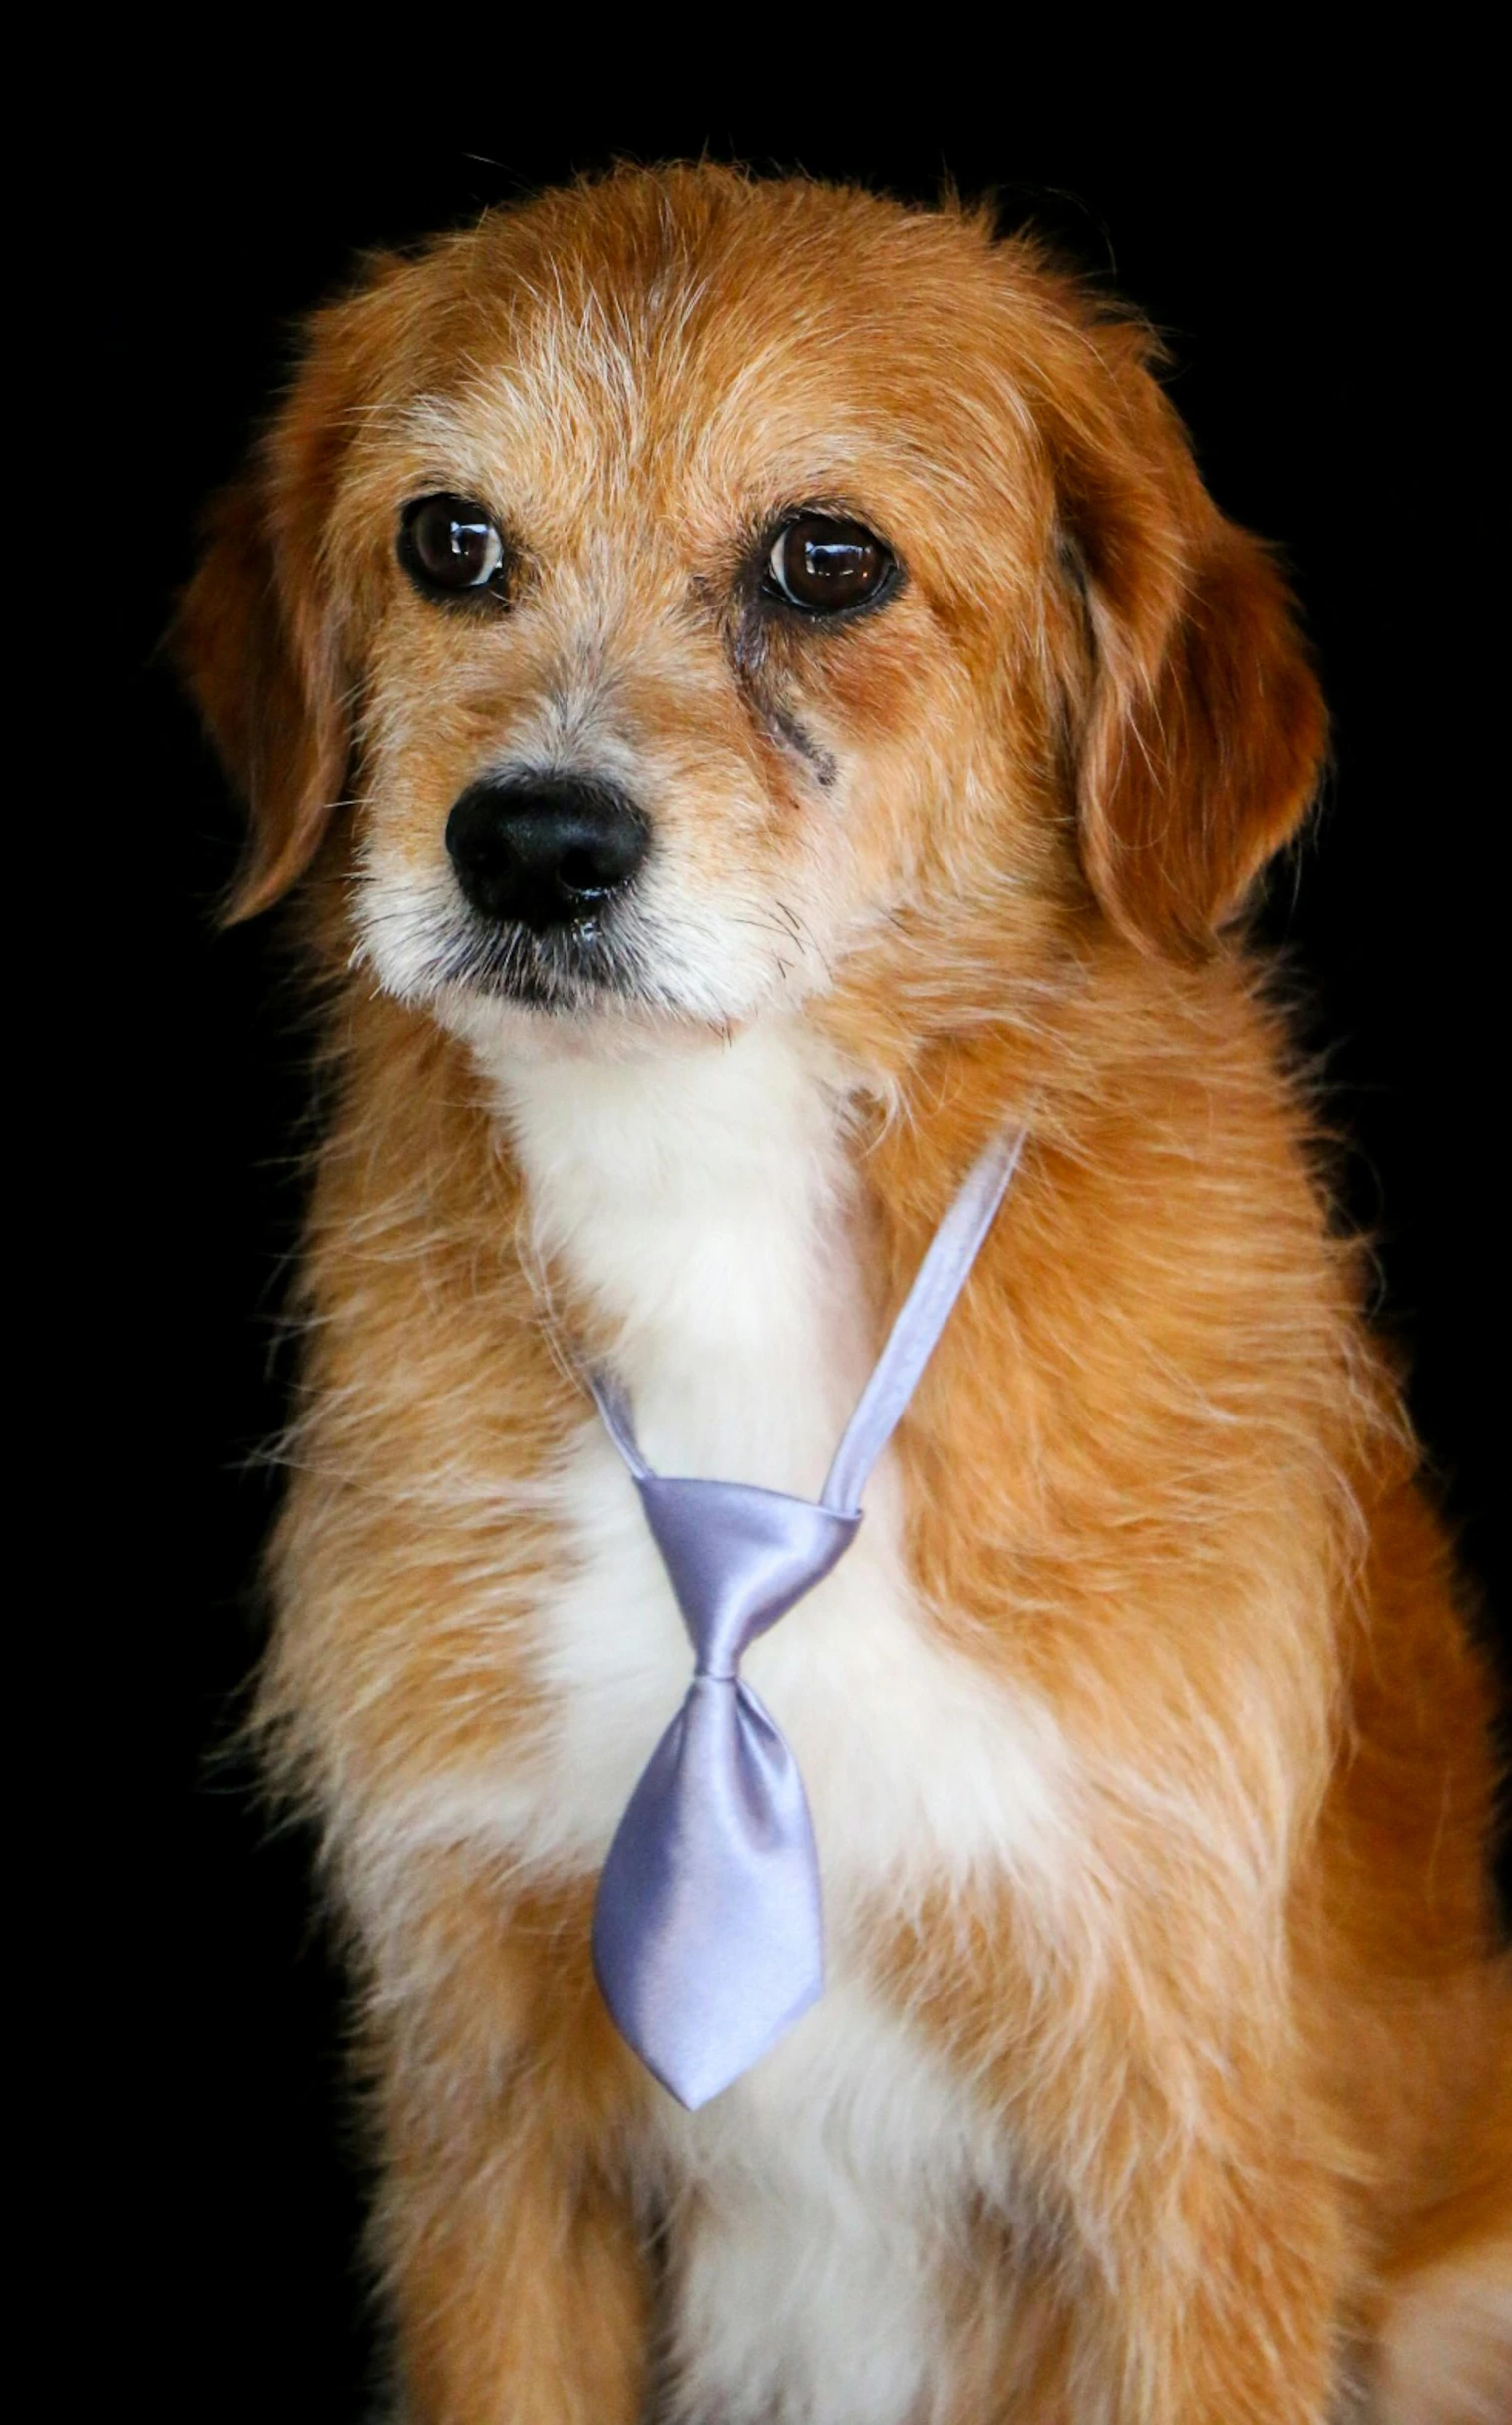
(262, 633)
(260, 650)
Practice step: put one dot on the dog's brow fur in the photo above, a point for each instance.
(1162, 2077)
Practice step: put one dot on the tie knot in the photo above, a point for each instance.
(738, 1558)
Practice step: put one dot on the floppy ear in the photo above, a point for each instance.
(258, 648)
(1203, 730)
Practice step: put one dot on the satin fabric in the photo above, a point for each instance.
(708, 1937)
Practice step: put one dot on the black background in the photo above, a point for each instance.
(1322, 278)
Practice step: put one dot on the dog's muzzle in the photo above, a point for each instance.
(544, 851)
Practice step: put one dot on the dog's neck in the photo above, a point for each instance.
(700, 1198)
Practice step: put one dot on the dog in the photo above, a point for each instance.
(749, 697)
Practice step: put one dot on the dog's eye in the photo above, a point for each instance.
(449, 545)
(823, 566)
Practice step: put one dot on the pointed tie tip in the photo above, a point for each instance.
(692, 2079)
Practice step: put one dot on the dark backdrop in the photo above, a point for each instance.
(1319, 281)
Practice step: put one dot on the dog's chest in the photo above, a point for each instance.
(703, 1202)
(705, 1209)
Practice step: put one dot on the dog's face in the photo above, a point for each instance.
(707, 590)
(689, 602)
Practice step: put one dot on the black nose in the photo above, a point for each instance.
(544, 850)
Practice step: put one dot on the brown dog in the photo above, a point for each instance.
(864, 729)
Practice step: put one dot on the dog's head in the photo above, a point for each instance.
(684, 589)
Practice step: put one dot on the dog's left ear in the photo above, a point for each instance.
(1200, 726)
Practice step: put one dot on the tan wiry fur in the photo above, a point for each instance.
(1165, 2075)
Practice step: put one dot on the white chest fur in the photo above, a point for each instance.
(703, 1199)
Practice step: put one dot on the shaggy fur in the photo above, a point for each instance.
(1164, 2072)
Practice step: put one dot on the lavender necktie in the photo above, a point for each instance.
(708, 1936)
